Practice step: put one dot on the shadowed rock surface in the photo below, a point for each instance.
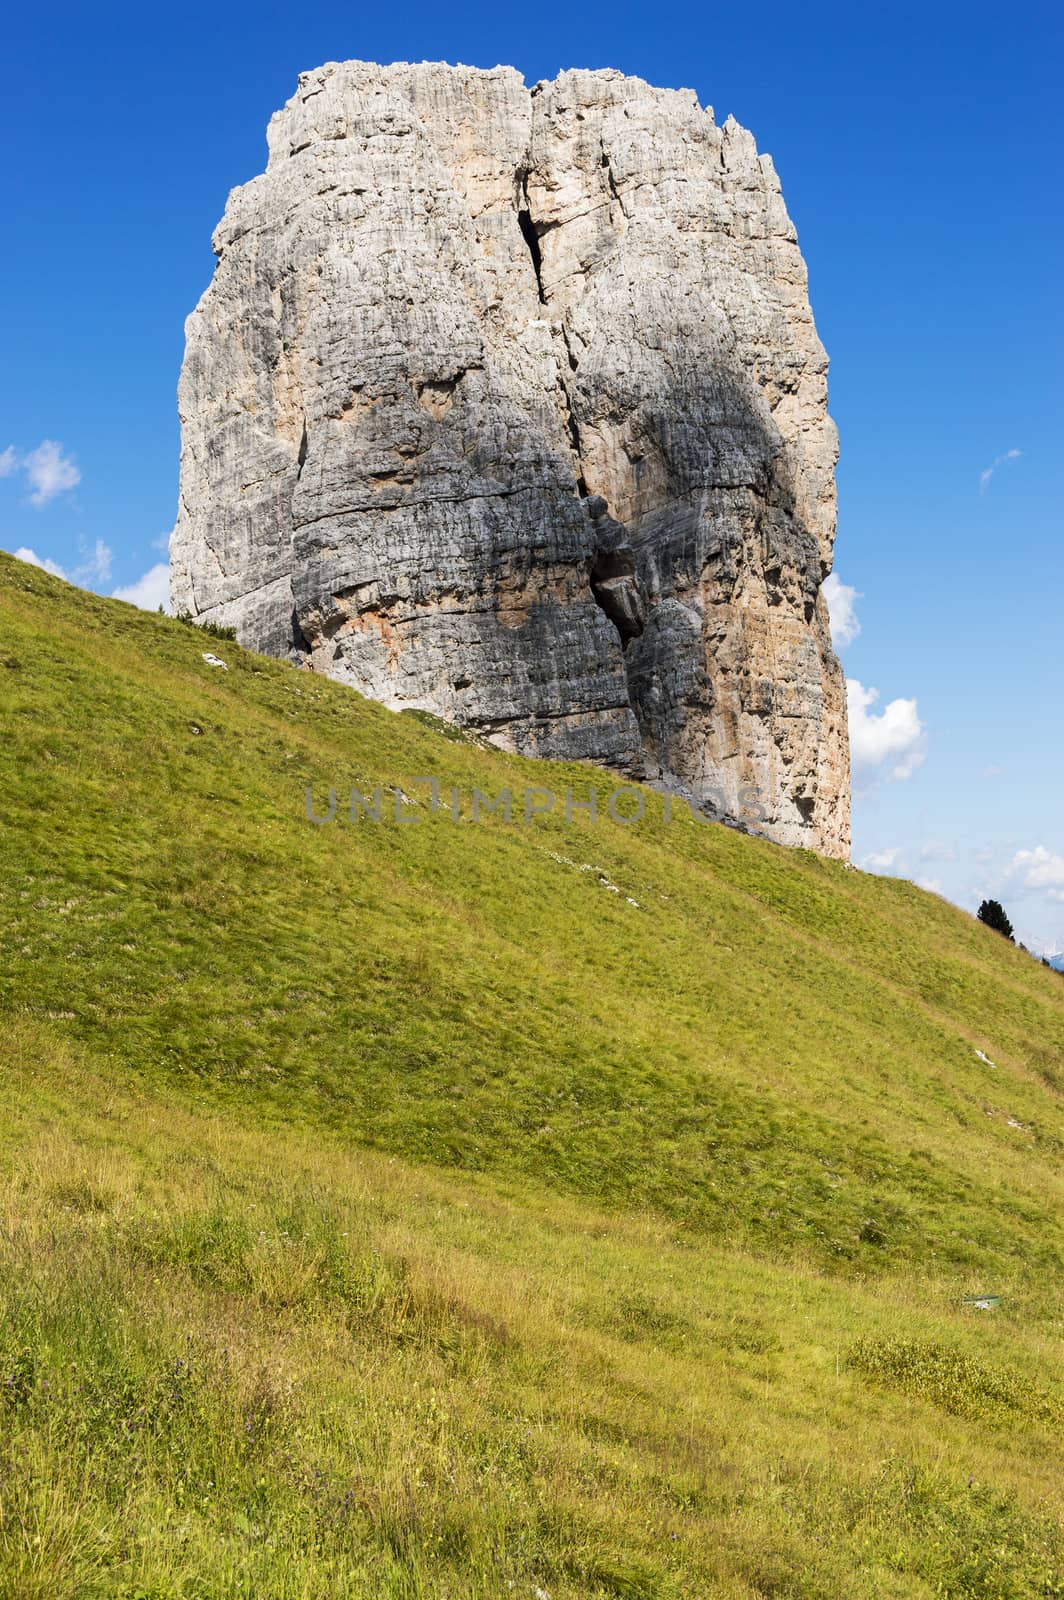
(508, 404)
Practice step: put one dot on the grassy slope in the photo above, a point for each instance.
(651, 1285)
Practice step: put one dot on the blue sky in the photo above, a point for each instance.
(920, 151)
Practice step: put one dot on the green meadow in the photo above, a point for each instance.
(489, 1209)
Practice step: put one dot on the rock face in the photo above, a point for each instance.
(508, 404)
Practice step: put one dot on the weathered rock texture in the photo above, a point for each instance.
(508, 404)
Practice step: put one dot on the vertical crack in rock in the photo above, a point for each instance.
(378, 470)
(574, 437)
(570, 413)
(615, 199)
(528, 232)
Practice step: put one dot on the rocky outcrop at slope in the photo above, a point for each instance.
(508, 404)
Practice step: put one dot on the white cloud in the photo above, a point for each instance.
(993, 771)
(94, 566)
(1040, 869)
(998, 461)
(23, 554)
(47, 470)
(892, 738)
(932, 885)
(841, 598)
(150, 591)
(881, 860)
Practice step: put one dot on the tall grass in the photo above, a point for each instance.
(235, 1362)
(405, 1211)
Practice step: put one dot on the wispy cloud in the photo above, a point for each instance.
(938, 850)
(890, 743)
(998, 461)
(95, 565)
(841, 598)
(47, 470)
(150, 591)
